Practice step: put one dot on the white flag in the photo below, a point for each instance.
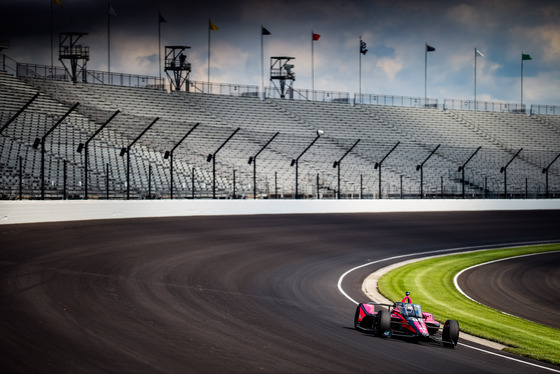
(479, 53)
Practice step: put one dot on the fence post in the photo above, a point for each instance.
(192, 181)
(361, 186)
(149, 182)
(20, 177)
(107, 182)
(64, 180)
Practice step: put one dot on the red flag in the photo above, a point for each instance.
(316, 36)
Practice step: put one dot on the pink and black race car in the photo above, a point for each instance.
(405, 320)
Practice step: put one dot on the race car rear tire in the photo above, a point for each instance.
(383, 322)
(450, 335)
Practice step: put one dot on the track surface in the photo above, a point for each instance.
(526, 287)
(226, 294)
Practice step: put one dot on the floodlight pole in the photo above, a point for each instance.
(19, 112)
(421, 168)
(253, 160)
(42, 142)
(127, 151)
(20, 158)
(462, 170)
(296, 161)
(337, 165)
(378, 165)
(84, 146)
(169, 154)
(212, 157)
(545, 170)
(504, 170)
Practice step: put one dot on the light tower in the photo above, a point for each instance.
(78, 55)
(281, 70)
(177, 67)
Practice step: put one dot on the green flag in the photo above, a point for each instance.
(525, 57)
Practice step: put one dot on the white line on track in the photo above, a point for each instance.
(388, 259)
(510, 358)
(458, 250)
(456, 278)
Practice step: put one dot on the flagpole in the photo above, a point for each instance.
(262, 63)
(109, 36)
(521, 79)
(425, 73)
(312, 68)
(52, 63)
(159, 45)
(360, 71)
(209, 52)
(475, 78)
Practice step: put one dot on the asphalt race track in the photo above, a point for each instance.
(526, 287)
(228, 294)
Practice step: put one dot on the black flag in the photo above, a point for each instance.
(363, 48)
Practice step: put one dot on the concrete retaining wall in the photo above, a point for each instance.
(25, 211)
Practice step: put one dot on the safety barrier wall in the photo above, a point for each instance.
(12, 212)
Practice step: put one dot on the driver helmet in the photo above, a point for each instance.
(407, 293)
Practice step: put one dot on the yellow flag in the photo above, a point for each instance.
(57, 2)
(213, 26)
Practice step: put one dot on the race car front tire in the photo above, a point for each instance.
(383, 322)
(450, 334)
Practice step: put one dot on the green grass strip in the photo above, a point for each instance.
(431, 285)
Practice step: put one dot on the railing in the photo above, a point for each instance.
(134, 80)
(310, 95)
(7, 64)
(483, 106)
(271, 92)
(122, 79)
(224, 89)
(545, 109)
(92, 76)
(42, 71)
(391, 100)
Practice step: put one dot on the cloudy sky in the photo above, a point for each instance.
(395, 32)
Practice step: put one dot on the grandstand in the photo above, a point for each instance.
(418, 128)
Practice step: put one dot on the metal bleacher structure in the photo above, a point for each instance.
(418, 128)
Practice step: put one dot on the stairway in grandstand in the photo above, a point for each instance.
(378, 127)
